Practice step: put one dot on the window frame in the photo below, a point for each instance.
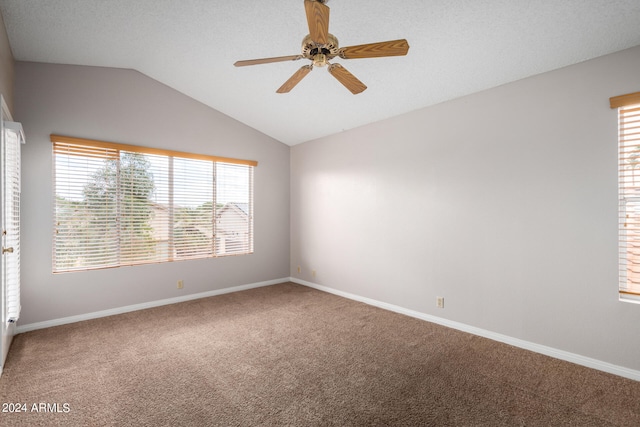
(224, 166)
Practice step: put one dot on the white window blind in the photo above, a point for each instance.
(629, 193)
(121, 205)
(13, 138)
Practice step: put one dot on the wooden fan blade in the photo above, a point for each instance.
(318, 20)
(295, 79)
(347, 79)
(267, 60)
(376, 50)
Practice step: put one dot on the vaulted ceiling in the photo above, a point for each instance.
(457, 47)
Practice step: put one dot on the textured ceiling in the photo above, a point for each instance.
(457, 47)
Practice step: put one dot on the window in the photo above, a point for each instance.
(119, 205)
(629, 194)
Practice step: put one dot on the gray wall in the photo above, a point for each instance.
(503, 202)
(125, 106)
(6, 67)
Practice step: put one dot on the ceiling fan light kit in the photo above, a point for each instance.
(320, 47)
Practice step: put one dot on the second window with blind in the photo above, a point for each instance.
(629, 194)
(119, 205)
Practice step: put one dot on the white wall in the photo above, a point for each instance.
(128, 107)
(6, 66)
(503, 202)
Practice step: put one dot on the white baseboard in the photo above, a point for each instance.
(104, 313)
(516, 342)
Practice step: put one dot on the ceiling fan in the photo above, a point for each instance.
(319, 46)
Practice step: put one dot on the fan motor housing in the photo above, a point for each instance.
(320, 53)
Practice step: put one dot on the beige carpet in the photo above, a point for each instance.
(290, 355)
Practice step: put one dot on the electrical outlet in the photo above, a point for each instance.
(440, 302)
(299, 269)
(180, 284)
(313, 273)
